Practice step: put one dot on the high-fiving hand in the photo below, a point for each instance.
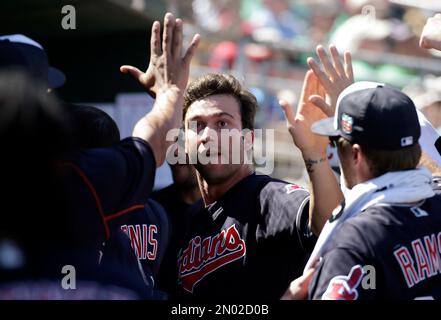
(334, 77)
(165, 79)
(299, 126)
(167, 64)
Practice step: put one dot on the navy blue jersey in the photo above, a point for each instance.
(109, 188)
(148, 230)
(385, 252)
(179, 216)
(249, 244)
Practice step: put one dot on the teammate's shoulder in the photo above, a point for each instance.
(280, 187)
(355, 234)
(375, 225)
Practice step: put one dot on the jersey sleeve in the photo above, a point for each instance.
(287, 208)
(118, 177)
(346, 271)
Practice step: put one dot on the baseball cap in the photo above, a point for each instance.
(373, 115)
(17, 50)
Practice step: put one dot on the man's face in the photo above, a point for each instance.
(206, 122)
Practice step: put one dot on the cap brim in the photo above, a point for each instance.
(56, 78)
(325, 127)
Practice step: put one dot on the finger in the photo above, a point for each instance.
(315, 84)
(316, 262)
(287, 111)
(133, 71)
(336, 60)
(306, 89)
(155, 46)
(321, 103)
(426, 43)
(423, 42)
(348, 66)
(329, 68)
(191, 49)
(307, 277)
(312, 85)
(167, 36)
(321, 90)
(177, 39)
(321, 76)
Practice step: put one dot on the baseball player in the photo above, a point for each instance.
(387, 229)
(146, 225)
(250, 233)
(41, 239)
(370, 254)
(110, 186)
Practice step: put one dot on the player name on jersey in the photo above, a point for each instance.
(144, 240)
(425, 262)
(200, 258)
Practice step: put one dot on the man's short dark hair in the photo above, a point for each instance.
(94, 128)
(383, 161)
(212, 84)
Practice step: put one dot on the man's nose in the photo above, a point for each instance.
(206, 134)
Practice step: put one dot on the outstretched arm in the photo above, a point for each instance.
(166, 79)
(321, 89)
(325, 194)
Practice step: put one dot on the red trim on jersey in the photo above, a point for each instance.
(94, 194)
(92, 189)
(122, 212)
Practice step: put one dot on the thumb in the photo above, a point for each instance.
(133, 71)
(322, 105)
(423, 43)
(287, 111)
(298, 289)
(308, 275)
(306, 279)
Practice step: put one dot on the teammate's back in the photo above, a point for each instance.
(397, 246)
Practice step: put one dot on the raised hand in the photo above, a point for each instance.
(299, 125)
(325, 191)
(431, 35)
(165, 79)
(167, 65)
(335, 76)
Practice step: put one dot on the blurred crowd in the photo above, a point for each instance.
(273, 38)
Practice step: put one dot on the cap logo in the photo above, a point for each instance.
(406, 141)
(346, 123)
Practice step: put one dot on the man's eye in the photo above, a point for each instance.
(222, 124)
(199, 125)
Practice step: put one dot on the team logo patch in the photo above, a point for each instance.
(202, 257)
(344, 287)
(346, 123)
(290, 188)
